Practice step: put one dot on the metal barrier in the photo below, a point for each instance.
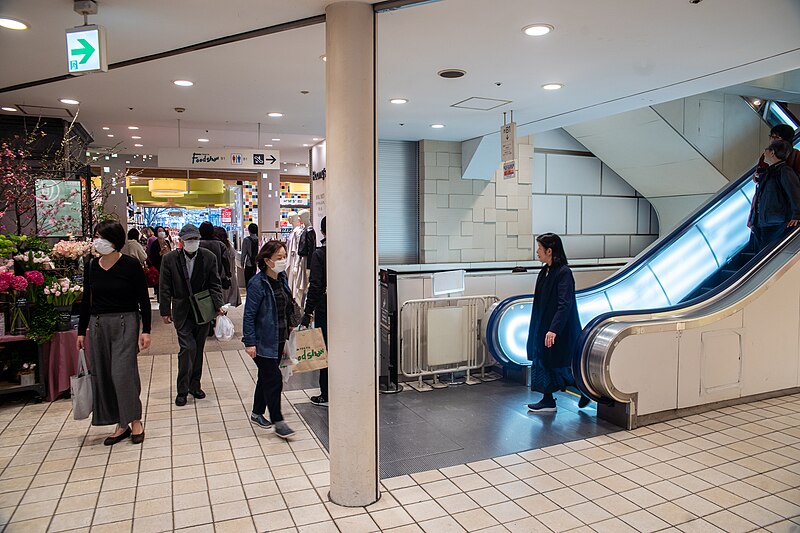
(442, 335)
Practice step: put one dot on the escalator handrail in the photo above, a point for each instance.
(588, 334)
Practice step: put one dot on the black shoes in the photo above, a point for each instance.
(199, 394)
(320, 400)
(110, 441)
(180, 400)
(543, 406)
(584, 401)
(137, 438)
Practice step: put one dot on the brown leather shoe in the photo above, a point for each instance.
(110, 441)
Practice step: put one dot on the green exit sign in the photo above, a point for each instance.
(86, 50)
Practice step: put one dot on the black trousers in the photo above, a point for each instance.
(321, 321)
(765, 235)
(249, 272)
(268, 388)
(192, 342)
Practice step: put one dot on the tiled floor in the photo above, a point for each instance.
(203, 467)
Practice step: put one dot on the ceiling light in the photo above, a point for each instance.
(133, 127)
(138, 145)
(69, 101)
(183, 83)
(276, 140)
(756, 102)
(437, 126)
(12, 24)
(267, 146)
(110, 135)
(135, 137)
(537, 30)
(106, 128)
(315, 139)
(323, 57)
(305, 145)
(286, 169)
(552, 86)
(398, 101)
(275, 115)
(202, 140)
(6, 108)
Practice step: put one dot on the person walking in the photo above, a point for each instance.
(115, 303)
(186, 272)
(317, 307)
(555, 326)
(231, 294)
(268, 312)
(776, 204)
(249, 252)
(158, 246)
(133, 248)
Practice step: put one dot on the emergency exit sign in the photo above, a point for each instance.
(86, 50)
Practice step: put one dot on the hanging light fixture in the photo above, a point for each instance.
(167, 187)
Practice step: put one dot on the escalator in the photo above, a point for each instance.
(703, 253)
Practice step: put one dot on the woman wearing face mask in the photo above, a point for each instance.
(156, 249)
(268, 318)
(114, 302)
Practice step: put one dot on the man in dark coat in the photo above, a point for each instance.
(181, 268)
(317, 306)
(776, 205)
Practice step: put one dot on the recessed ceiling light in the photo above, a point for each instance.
(69, 101)
(286, 169)
(133, 127)
(755, 102)
(138, 145)
(183, 83)
(323, 57)
(315, 139)
(12, 24)
(275, 114)
(437, 126)
(6, 108)
(106, 128)
(552, 86)
(202, 140)
(135, 137)
(110, 134)
(267, 146)
(537, 30)
(305, 145)
(398, 101)
(276, 140)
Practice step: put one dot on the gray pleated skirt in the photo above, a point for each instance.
(114, 343)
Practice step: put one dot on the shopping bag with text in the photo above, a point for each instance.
(309, 350)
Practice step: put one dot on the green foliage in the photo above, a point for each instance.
(42, 324)
(7, 246)
(27, 243)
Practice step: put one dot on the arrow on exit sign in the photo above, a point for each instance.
(86, 49)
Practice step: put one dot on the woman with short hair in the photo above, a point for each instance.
(115, 302)
(268, 319)
(133, 248)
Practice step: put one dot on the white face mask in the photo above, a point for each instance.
(191, 246)
(103, 246)
(161, 234)
(280, 266)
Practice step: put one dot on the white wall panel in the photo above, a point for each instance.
(539, 173)
(618, 246)
(583, 246)
(572, 175)
(614, 185)
(574, 214)
(549, 214)
(609, 215)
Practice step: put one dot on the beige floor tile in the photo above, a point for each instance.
(34, 510)
(27, 526)
(446, 524)
(192, 517)
(309, 514)
(361, 523)
(114, 513)
(230, 510)
(158, 506)
(273, 521)
(152, 524)
(391, 518)
(116, 497)
(425, 510)
(74, 520)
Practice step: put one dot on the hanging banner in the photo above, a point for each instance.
(224, 158)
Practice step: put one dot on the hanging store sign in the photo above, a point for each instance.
(86, 50)
(226, 215)
(508, 149)
(225, 158)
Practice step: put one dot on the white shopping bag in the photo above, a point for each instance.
(224, 329)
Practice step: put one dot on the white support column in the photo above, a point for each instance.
(352, 261)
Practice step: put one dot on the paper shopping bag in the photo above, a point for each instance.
(309, 350)
(81, 390)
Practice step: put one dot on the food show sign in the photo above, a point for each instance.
(224, 158)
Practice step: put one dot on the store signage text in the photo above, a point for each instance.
(236, 158)
(319, 175)
(86, 50)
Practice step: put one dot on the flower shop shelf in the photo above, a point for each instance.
(36, 351)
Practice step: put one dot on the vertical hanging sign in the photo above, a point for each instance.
(86, 50)
(508, 149)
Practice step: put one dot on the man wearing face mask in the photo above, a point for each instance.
(195, 268)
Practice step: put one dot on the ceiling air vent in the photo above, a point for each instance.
(452, 73)
(46, 111)
(480, 104)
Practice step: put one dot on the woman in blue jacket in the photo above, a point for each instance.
(555, 326)
(268, 318)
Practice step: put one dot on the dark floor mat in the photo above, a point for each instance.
(457, 425)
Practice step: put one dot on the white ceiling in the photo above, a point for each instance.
(612, 56)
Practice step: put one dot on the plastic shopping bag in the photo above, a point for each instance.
(286, 364)
(224, 329)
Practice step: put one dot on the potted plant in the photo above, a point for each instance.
(27, 374)
(62, 294)
(16, 286)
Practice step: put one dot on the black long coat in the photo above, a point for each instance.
(554, 309)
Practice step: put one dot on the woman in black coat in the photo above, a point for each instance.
(555, 326)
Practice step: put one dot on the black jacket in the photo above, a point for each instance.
(554, 309)
(221, 252)
(317, 295)
(777, 199)
(173, 294)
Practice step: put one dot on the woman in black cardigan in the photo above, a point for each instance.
(555, 326)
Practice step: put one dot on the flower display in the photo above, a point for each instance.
(34, 259)
(19, 283)
(7, 265)
(63, 292)
(35, 277)
(5, 280)
(71, 249)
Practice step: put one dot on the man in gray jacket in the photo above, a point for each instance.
(180, 269)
